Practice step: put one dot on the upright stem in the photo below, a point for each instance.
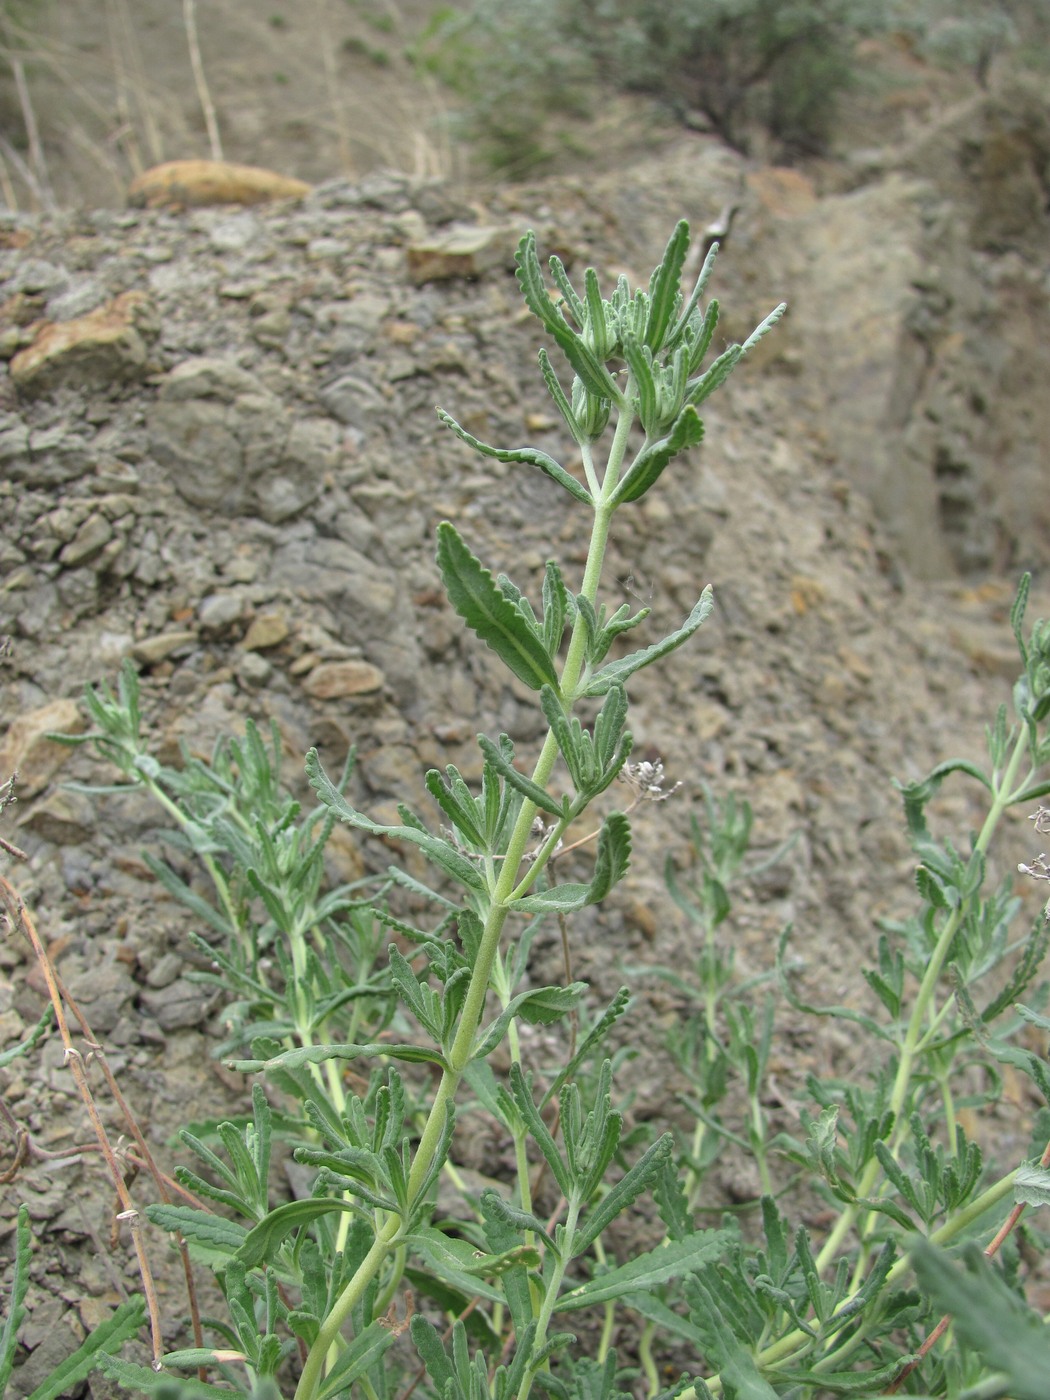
(459, 1055)
(1004, 794)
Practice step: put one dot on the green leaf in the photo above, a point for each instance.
(664, 286)
(177, 887)
(614, 850)
(459, 809)
(626, 1191)
(517, 780)
(1032, 1185)
(521, 1088)
(459, 1262)
(646, 1271)
(318, 1054)
(108, 1336)
(990, 1318)
(559, 899)
(562, 404)
(264, 1239)
(16, 1297)
(357, 1358)
(143, 1380)
(24, 1047)
(214, 1235)
(614, 856)
(541, 1007)
(442, 853)
(1017, 613)
(645, 470)
(530, 455)
(486, 610)
(640, 363)
(534, 290)
(617, 672)
(867, 1382)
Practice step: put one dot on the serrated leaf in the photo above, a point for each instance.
(468, 1268)
(529, 455)
(989, 1317)
(212, 1232)
(441, 853)
(541, 1007)
(107, 1337)
(1032, 1185)
(645, 470)
(664, 286)
(646, 1271)
(461, 813)
(143, 1380)
(485, 609)
(613, 858)
(618, 672)
(533, 288)
(264, 1239)
(643, 381)
(517, 780)
(318, 1054)
(1017, 612)
(562, 403)
(357, 1358)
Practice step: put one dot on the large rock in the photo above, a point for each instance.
(106, 346)
(27, 750)
(229, 444)
(189, 184)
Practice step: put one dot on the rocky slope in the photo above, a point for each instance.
(219, 458)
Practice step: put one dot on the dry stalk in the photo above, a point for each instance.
(37, 159)
(61, 997)
(331, 79)
(139, 83)
(189, 20)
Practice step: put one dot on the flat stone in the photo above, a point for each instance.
(334, 680)
(220, 611)
(27, 749)
(157, 648)
(463, 253)
(107, 346)
(182, 1003)
(64, 818)
(267, 630)
(191, 184)
(94, 534)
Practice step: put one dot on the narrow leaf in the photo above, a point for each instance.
(318, 1054)
(647, 1270)
(442, 853)
(561, 403)
(485, 609)
(617, 672)
(645, 470)
(664, 286)
(541, 1007)
(517, 780)
(530, 455)
(263, 1241)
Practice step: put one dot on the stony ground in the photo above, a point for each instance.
(228, 469)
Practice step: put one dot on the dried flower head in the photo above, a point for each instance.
(646, 781)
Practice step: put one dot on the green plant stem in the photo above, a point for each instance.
(565, 1241)
(1005, 793)
(459, 1055)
